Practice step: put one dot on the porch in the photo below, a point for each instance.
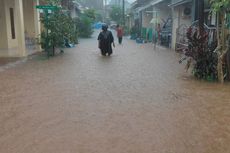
(156, 22)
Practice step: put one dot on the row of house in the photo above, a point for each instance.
(20, 27)
(172, 17)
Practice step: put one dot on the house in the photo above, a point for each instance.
(151, 14)
(76, 9)
(182, 11)
(173, 17)
(186, 14)
(19, 21)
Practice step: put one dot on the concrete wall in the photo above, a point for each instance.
(32, 25)
(28, 8)
(12, 43)
(163, 12)
(3, 29)
(146, 18)
(26, 19)
(179, 19)
(175, 26)
(8, 46)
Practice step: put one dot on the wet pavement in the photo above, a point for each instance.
(140, 100)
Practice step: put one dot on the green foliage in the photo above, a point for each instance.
(220, 5)
(60, 27)
(66, 4)
(201, 54)
(52, 2)
(99, 17)
(91, 14)
(116, 14)
(84, 23)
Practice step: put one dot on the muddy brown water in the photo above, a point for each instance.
(140, 100)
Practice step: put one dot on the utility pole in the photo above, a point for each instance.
(105, 12)
(123, 11)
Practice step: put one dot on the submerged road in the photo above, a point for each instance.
(139, 100)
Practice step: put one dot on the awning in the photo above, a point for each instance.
(149, 5)
(180, 2)
(155, 21)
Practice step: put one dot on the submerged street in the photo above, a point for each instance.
(139, 100)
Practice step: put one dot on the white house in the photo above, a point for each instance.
(19, 22)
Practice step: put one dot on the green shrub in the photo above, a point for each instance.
(59, 26)
(201, 54)
(84, 24)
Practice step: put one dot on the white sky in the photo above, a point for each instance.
(131, 1)
(128, 0)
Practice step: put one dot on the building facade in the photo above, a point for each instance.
(173, 17)
(186, 14)
(183, 17)
(154, 15)
(19, 21)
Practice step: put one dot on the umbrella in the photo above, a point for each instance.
(98, 25)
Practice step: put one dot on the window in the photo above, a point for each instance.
(12, 23)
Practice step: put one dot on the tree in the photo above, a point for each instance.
(52, 2)
(84, 23)
(116, 14)
(59, 27)
(221, 7)
(90, 13)
(68, 4)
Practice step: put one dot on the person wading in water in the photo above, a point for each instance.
(105, 41)
(119, 33)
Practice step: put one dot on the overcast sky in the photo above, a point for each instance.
(128, 0)
(131, 1)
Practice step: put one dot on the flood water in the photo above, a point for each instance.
(140, 100)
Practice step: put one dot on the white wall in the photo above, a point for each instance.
(175, 26)
(163, 12)
(12, 43)
(179, 19)
(28, 11)
(26, 19)
(146, 18)
(3, 30)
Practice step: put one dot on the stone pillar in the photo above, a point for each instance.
(20, 29)
(176, 20)
(37, 24)
(36, 19)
